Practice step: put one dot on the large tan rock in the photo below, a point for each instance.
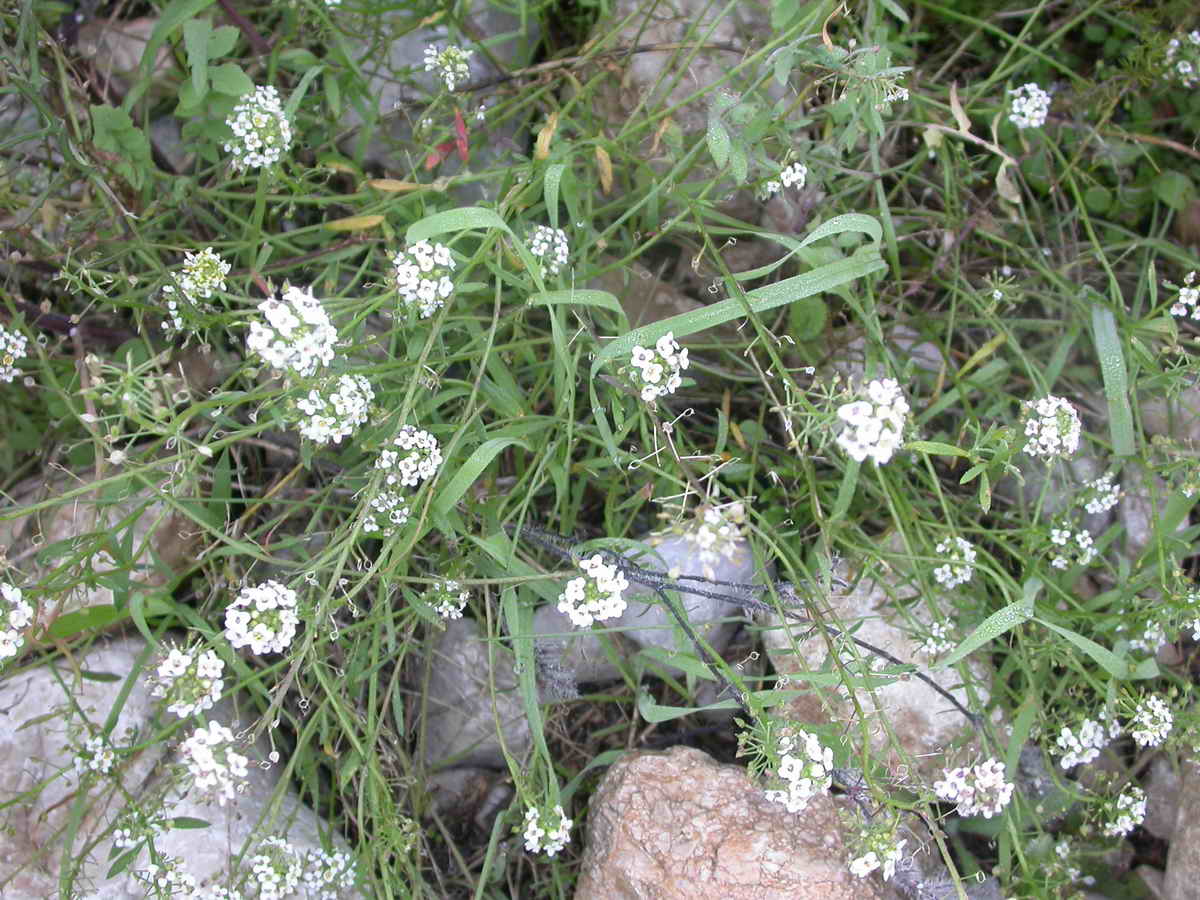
(680, 825)
(1183, 859)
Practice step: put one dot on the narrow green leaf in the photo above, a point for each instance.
(739, 165)
(653, 712)
(550, 185)
(1116, 380)
(452, 221)
(293, 102)
(718, 142)
(176, 13)
(937, 447)
(453, 489)
(603, 299)
(989, 629)
(1114, 665)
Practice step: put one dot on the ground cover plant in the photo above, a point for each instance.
(295, 381)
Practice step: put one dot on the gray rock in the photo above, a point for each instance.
(1183, 858)
(1066, 481)
(680, 826)
(1176, 417)
(579, 652)
(462, 709)
(1143, 497)
(1162, 784)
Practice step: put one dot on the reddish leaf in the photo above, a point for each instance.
(460, 129)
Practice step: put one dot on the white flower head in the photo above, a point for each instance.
(546, 834)
(980, 790)
(1126, 812)
(16, 614)
(188, 678)
(263, 618)
(451, 64)
(1187, 301)
(218, 772)
(335, 408)
(297, 337)
(1029, 106)
(658, 370)
(261, 130)
(202, 274)
(596, 595)
(1052, 427)
(805, 769)
(448, 599)
(1084, 743)
(1152, 721)
(938, 641)
(873, 425)
(959, 558)
(1071, 547)
(879, 849)
(1181, 62)
(549, 246)
(13, 346)
(795, 175)
(97, 756)
(327, 874)
(421, 276)
(276, 869)
(1100, 495)
(386, 513)
(411, 457)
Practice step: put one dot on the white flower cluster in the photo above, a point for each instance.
(1085, 744)
(938, 641)
(217, 770)
(806, 768)
(335, 408)
(1153, 637)
(412, 457)
(1100, 495)
(1126, 813)
(874, 424)
(13, 345)
(327, 874)
(190, 679)
(450, 64)
(979, 790)
(263, 617)
(1052, 426)
(659, 368)
(1152, 721)
(1183, 59)
(448, 599)
(298, 336)
(203, 273)
(1071, 548)
(275, 869)
(261, 130)
(957, 569)
(794, 175)
(421, 274)
(168, 879)
(1187, 304)
(549, 245)
(387, 512)
(549, 838)
(15, 615)
(881, 851)
(1030, 104)
(716, 535)
(595, 595)
(96, 756)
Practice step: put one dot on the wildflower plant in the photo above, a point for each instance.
(804, 769)
(546, 831)
(979, 790)
(594, 596)
(451, 64)
(386, 512)
(297, 336)
(189, 679)
(872, 426)
(262, 132)
(549, 246)
(1151, 722)
(216, 770)
(1182, 60)
(13, 346)
(1052, 427)
(411, 457)
(335, 408)
(16, 614)
(421, 277)
(959, 558)
(448, 599)
(263, 617)
(203, 274)
(1187, 299)
(657, 371)
(1028, 106)
(878, 849)
(96, 757)
(1121, 814)
(1083, 743)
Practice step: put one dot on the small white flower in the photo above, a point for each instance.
(960, 557)
(386, 512)
(594, 596)
(96, 756)
(805, 768)
(190, 679)
(1187, 303)
(1030, 104)
(1126, 812)
(327, 874)
(873, 425)
(1182, 60)
(448, 599)
(450, 64)
(411, 457)
(261, 130)
(421, 277)
(549, 837)
(880, 851)
(795, 175)
(549, 246)
(263, 617)
(938, 641)
(335, 408)
(647, 368)
(216, 769)
(1052, 427)
(1100, 495)
(13, 346)
(1072, 547)
(1152, 721)
(298, 337)
(15, 615)
(1084, 744)
(202, 274)
(980, 790)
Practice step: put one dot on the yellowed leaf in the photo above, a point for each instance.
(545, 136)
(605, 164)
(956, 107)
(392, 186)
(1005, 186)
(354, 223)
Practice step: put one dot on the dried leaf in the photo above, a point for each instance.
(545, 136)
(354, 223)
(960, 114)
(392, 186)
(605, 164)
